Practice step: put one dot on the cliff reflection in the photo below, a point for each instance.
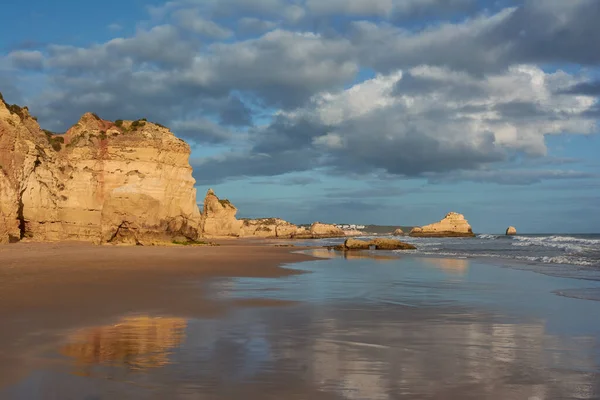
(351, 255)
(138, 343)
(450, 265)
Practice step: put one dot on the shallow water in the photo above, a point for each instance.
(388, 328)
(563, 255)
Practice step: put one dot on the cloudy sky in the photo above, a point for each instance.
(364, 111)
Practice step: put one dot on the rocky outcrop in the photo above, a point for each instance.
(391, 244)
(398, 232)
(453, 225)
(354, 244)
(511, 231)
(218, 217)
(320, 230)
(353, 232)
(219, 220)
(102, 181)
(377, 244)
(268, 228)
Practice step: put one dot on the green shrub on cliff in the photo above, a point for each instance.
(55, 141)
(225, 202)
(138, 124)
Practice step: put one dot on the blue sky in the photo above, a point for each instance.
(366, 111)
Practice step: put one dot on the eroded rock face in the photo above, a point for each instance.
(101, 182)
(377, 244)
(320, 230)
(218, 217)
(453, 225)
(511, 231)
(269, 228)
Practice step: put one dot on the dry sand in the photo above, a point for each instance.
(46, 288)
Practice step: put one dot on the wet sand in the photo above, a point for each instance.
(228, 323)
(46, 288)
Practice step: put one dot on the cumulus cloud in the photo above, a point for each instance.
(512, 177)
(190, 20)
(384, 8)
(26, 59)
(590, 88)
(201, 129)
(539, 31)
(251, 25)
(425, 120)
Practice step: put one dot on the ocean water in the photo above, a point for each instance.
(566, 255)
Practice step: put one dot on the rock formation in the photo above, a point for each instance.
(218, 217)
(511, 231)
(398, 232)
(320, 230)
(269, 228)
(103, 182)
(377, 244)
(453, 225)
(219, 220)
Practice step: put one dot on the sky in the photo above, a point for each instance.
(388, 112)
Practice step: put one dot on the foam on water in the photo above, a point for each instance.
(575, 251)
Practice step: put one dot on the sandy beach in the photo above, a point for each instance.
(228, 322)
(47, 288)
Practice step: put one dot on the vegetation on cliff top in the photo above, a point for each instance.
(55, 141)
(225, 202)
(15, 109)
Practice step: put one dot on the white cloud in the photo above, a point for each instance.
(190, 20)
(468, 109)
(26, 59)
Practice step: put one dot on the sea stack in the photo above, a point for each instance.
(218, 217)
(511, 231)
(453, 225)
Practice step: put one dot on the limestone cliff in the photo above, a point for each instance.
(218, 217)
(453, 225)
(320, 230)
(128, 181)
(268, 228)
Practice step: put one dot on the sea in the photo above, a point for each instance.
(564, 255)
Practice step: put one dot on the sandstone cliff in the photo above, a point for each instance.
(320, 230)
(128, 181)
(218, 217)
(269, 228)
(453, 225)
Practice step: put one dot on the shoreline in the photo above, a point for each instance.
(48, 288)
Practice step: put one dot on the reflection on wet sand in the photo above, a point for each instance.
(351, 255)
(450, 265)
(373, 353)
(135, 342)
